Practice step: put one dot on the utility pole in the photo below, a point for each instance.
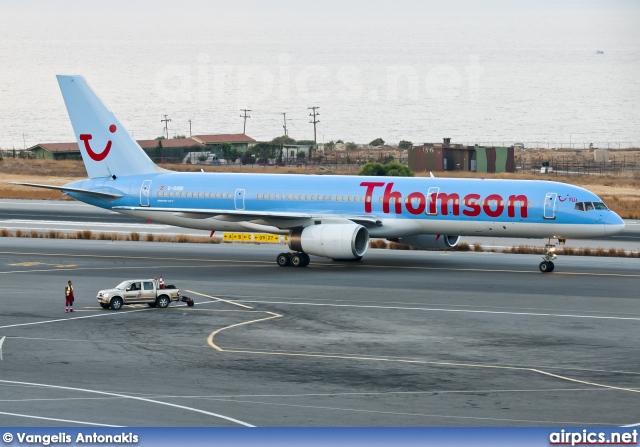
(189, 128)
(314, 121)
(166, 125)
(284, 117)
(245, 116)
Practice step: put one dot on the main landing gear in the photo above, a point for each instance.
(298, 259)
(547, 266)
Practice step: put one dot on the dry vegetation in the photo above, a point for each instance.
(89, 235)
(520, 249)
(621, 194)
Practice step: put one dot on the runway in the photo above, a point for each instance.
(69, 217)
(400, 339)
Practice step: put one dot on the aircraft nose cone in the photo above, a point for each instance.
(613, 224)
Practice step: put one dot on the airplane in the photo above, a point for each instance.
(331, 216)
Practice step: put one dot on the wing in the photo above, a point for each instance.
(257, 219)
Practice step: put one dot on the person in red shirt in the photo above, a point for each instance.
(68, 295)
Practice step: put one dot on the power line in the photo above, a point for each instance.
(245, 116)
(166, 125)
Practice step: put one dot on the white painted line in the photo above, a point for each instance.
(58, 420)
(1, 343)
(427, 309)
(105, 314)
(105, 393)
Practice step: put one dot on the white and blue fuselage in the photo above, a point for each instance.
(324, 215)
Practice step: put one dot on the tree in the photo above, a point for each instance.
(179, 136)
(226, 148)
(339, 142)
(330, 145)
(284, 139)
(393, 169)
(377, 142)
(159, 147)
(306, 142)
(404, 144)
(351, 146)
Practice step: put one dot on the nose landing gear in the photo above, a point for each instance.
(547, 265)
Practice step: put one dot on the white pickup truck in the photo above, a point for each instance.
(136, 291)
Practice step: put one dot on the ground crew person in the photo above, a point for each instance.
(68, 295)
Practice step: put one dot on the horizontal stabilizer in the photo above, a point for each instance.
(103, 195)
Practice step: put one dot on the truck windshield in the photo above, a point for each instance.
(123, 285)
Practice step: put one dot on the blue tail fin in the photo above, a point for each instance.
(107, 148)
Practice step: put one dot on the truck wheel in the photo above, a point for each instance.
(116, 303)
(163, 301)
(152, 304)
(104, 305)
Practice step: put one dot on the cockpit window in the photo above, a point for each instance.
(600, 206)
(588, 206)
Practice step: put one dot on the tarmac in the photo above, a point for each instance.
(399, 339)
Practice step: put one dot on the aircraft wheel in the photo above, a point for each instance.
(306, 259)
(283, 259)
(300, 260)
(552, 265)
(546, 266)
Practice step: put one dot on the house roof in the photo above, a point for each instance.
(224, 138)
(172, 142)
(57, 147)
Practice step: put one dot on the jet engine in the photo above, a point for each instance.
(431, 241)
(335, 241)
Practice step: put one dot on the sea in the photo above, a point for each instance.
(540, 72)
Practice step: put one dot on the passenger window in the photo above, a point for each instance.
(217, 195)
(579, 206)
(228, 195)
(289, 196)
(148, 285)
(313, 197)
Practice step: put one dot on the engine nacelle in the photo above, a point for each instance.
(431, 241)
(335, 241)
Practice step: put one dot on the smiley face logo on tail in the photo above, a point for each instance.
(97, 156)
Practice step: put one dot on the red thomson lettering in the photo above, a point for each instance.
(418, 197)
(369, 194)
(416, 203)
(522, 200)
(499, 205)
(471, 201)
(388, 195)
(444, 203)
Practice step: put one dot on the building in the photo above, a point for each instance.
(295, 152)
(238, 141)
(159, 150)
(458, 157)
(56, 151)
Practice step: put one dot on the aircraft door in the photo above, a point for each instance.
(432, 201)
(145, 192)
(550, 205)
(239, 199)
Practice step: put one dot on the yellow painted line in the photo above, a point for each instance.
(216, 332)
(274, 315)
(219, 299)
